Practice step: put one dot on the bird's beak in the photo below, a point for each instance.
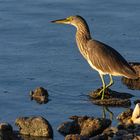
(62, 21)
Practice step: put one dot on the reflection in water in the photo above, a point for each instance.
(105, 110)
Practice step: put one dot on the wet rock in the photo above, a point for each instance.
(110, 131)
(123, 135)
(125, 116)
(137, 101)
(112, 98)
(69, 128)
(84, 126)
(133, 83)
(100, 137)
(75, 137)
(6, 132)
(136, 67)
(25, 137)
(40, 95)
(34, 126)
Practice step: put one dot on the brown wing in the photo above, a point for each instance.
(108, 60)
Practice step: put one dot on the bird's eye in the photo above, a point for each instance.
(70, 18)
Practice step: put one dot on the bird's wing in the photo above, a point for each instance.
(108, 60)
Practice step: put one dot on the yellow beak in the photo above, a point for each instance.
(61, 21)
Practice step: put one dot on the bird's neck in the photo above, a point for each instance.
(82, 34)
(82, 37)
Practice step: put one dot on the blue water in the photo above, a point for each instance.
(35, 52)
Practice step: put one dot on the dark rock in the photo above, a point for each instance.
(112, 98)
(123, 135)
(69, 128)
(137, 101)
(84, 126)
(6, 132)
(34, 126)
(99, 137)
(25, 137)
(133, 83)
(125, 116)
(136, 67)
(40, 95)
(110, 131)
(75, 137)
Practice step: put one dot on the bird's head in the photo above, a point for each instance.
(73, 20)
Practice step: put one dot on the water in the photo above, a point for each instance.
(34, 52)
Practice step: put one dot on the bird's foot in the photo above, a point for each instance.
(103, 92)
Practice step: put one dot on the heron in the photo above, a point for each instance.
(100, 56)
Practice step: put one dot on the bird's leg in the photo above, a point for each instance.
(111, 81)
(104, 86)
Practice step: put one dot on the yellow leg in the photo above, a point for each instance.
(111, 82)
(104, 86)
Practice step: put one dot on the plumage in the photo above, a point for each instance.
(108, 60)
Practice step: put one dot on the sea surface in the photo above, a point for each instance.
(34, 52)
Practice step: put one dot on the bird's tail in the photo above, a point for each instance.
(131, 73)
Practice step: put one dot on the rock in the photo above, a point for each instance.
(130, 117)
(137, 130)
(6, 132)
(25, 137)
(133, 83)
(34, 126)
(99, 137)
(137, 101)
(136, 67)
(136, 114)
(75, 137)
(112, 98)
(40, 95)
(125, 116)
(110, 131)
(84, 126)
(69, 128)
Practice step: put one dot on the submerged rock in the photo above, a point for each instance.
(112, 98)
(84, 126)
(34, 126)
(40, 95)
(133, 83)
